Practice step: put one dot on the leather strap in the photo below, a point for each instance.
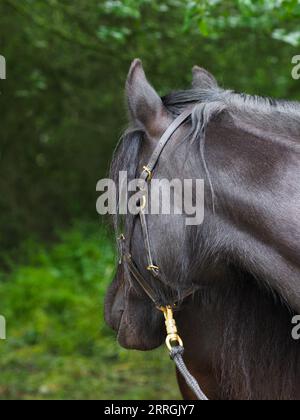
(148, 290)
(163, 142)
(141, 281)
(151, 267)
(146, 176)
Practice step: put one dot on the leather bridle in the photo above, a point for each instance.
(173, 340)
(146, 177)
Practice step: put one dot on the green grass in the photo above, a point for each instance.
(58, 346)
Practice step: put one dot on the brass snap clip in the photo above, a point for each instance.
(173, 339)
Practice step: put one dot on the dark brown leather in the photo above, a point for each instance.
(151, 267)
(142, 282)
(164, 141)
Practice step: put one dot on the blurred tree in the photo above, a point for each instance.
(277, 19)
(62, 106)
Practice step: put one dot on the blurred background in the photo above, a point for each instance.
(62, 112)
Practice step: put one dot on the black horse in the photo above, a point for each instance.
(243, 261)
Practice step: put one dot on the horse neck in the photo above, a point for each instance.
(238, 341)
(238, 332)
(257, 203)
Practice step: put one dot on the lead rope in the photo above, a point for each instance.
(175, 346)
(176, 355)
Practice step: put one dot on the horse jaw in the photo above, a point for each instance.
(139, 326)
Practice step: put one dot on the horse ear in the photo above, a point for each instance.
(202, 79)
(145, 106)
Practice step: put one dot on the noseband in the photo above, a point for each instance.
(173, 340)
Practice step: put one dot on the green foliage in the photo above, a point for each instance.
(58, 345)
(62, 105)
(215, 17)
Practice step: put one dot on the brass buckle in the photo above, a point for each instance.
(153, 268)
(149, 173)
